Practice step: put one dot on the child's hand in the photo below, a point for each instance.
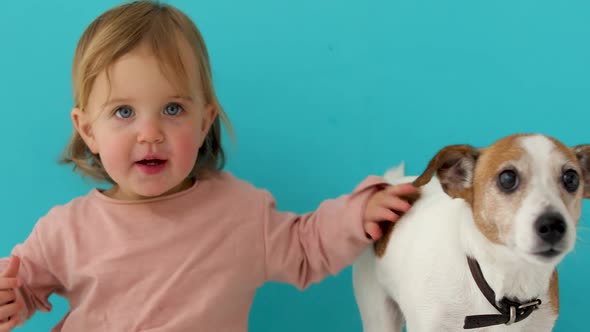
(386, 205)
(9, 306)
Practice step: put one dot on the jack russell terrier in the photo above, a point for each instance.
(480, 246)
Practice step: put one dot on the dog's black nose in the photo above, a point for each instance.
(551, 227)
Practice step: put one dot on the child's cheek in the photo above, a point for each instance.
(187, 148)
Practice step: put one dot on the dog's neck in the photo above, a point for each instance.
(508, 274)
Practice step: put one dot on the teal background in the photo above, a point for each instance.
(321, 93)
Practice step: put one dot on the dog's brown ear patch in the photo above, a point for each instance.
(387, 227)
(453, 166)
(583, 154)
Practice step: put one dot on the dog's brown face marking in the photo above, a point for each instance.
(492, 209)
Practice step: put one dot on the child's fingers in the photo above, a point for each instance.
(396, 204)
(9, 283)
(383, 214)
(372, 227)
(11, 270)
(7, 296)
(9, 323)
(401, 189)
(9, 310)
(373, 230)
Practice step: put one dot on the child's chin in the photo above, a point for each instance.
(159, 191)
(147, 194)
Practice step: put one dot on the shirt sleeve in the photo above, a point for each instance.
(39, 282)
(304, 249)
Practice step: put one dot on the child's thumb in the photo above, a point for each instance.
(12, 268)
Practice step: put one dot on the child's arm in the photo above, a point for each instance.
(304, 249)
(36, 281)
(9, 303)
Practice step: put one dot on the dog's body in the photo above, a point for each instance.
(419, 274)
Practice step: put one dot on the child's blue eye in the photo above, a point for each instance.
(173, 109)
(124, 112)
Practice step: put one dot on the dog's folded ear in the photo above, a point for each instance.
(583, 154)
(454, 167)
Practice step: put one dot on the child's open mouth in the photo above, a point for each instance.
(152, 162)
(151, 166)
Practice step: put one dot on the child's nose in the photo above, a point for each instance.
(150, 131)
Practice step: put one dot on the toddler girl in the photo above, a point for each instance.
(174, 243)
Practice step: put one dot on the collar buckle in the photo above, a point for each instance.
(536, 303)
(512, 315)
(513, 310)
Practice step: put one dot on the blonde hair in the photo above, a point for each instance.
(115, 33)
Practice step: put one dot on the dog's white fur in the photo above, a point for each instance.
(423, 279)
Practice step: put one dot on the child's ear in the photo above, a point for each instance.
(209, 114)
(82, 125)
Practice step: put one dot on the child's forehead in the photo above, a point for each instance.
(179, 64)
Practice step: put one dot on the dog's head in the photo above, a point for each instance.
(525, 191)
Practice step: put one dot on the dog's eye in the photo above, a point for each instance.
(571, 180)
(508, 181)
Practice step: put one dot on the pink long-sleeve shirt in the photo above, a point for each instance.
(185, 262)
